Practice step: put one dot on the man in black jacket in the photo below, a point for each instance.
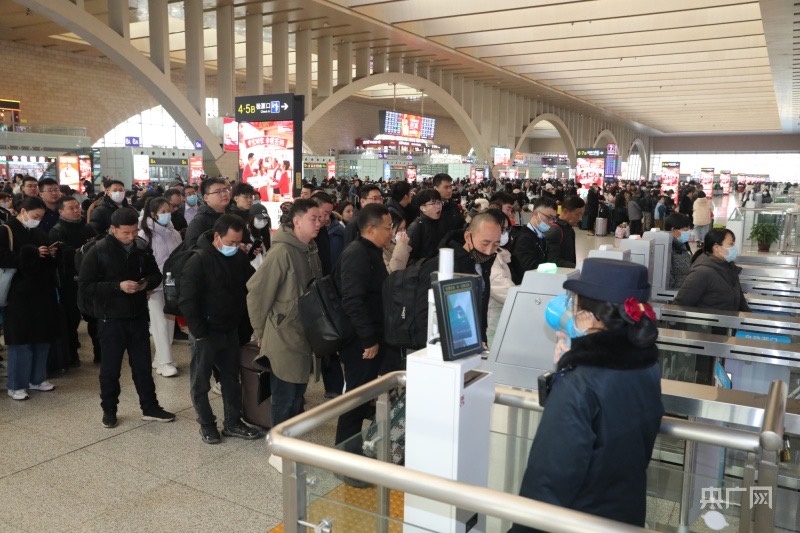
(113, 200)
(213, 299)
(216, 195)
(530, 246)
(400, 200)
(368, 194)
(116, 274)
(175, 198)
(561, 235)
(359, 277)
(451, 214)
(72, 232)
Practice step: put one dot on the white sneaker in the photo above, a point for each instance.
(18, 394)
(168, 370)
(217, 388)
(43, 386)
(276, 463)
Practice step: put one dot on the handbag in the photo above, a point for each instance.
(6, 274)
(324, 321)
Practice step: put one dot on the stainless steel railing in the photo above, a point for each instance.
(284, 441)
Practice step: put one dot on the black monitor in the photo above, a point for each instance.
(458, 312)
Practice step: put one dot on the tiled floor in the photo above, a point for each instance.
(61, 470)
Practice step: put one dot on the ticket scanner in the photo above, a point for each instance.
(523, 343)
(662, 258)
(606, 251)
(642, 251)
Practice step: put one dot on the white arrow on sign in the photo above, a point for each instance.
(285, 106)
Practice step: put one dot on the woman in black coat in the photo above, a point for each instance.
(603, 411)
(30, 318)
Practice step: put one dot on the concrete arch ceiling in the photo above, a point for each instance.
(603, 138)
(638, 145)
(560, 127)
(679, 67)
(442, 97)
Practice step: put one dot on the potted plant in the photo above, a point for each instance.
(764, 234)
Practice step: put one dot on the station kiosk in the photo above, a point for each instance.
(448, 403)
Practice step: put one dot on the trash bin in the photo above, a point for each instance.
(601, 226)
(256, 393)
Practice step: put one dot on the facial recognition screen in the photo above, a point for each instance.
(457, 304)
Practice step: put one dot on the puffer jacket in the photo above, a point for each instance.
(163, 242)
(500, 282)
(712, 284)
(272, 298)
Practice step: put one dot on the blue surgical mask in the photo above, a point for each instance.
(685, 236)
(191, 200)
(164, 218)
(558, 315)
(732, 253)
(228, 251)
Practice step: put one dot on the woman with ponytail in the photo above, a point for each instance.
(603, 405)
(713, 280)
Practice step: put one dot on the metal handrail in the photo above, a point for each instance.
(283, 441)
(771, 437)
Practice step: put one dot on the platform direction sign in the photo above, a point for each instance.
(264, 107)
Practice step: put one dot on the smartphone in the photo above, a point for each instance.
(57, 243)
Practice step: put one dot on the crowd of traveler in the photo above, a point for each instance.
(103, 258)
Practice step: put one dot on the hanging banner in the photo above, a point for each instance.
(141, 169)
(707, 181)
(68, 171)
(725, 181)
(590, 167)
(670, 177)
(195, 169)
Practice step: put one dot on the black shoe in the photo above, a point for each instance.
(159, 415)
(353, 482)
(109, 419)
(210, 434)
(241, 431)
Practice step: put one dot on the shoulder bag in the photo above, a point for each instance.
(6, 274)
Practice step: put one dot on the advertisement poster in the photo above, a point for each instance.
(590, 167)
(707, 181)
(85, 168)
(502, 157)
(331, 170)
(68, 171)
(230, 135)
(195, 169)
(411, 173)
(670, 177)
(29, 165)
(141, 169)
(477, 175)
(266, 152)
(725, 181)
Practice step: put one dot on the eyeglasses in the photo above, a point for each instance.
(374, 198)
(224, 192)
(433, 204)
(51, 190)
(549, 218)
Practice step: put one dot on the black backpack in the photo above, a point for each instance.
(324, 321)
(86, 304)
(405, 304)
(173, 270)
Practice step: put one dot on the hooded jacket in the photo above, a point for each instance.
(712, 284)
(273, 294)
(596, 435)
(214, 289)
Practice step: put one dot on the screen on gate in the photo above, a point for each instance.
(457, 303)
(266, 155)
(590, 167)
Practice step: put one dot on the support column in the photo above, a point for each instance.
(435, 75)
(395, 62)
(410, 66)
(423, 70)
(344, 71)
(362, 63)
(379, 62)
(159, 34)
(226, 77)
(254, 47)
(119, 18)
(280, 57)
(303, 66)
(195, 57)
(467, 96)
(508, 122)
(452, 85)
(325, 66)
(486, 114)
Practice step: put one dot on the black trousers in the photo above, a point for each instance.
(217, 350)
(357, 372)
(117, 336)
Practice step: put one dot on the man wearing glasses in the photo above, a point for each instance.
(50, 193)
(175, 198)
(530, 247)
(29, 187)
(369, 194)
(216, 195)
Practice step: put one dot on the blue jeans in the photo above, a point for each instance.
(27, 364)
(287, 398)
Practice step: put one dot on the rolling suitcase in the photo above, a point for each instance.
(601, 227)
(256, 394)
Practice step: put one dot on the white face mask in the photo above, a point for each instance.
(31, 222)
(117, 197)
(504, 238)
(259, 223)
